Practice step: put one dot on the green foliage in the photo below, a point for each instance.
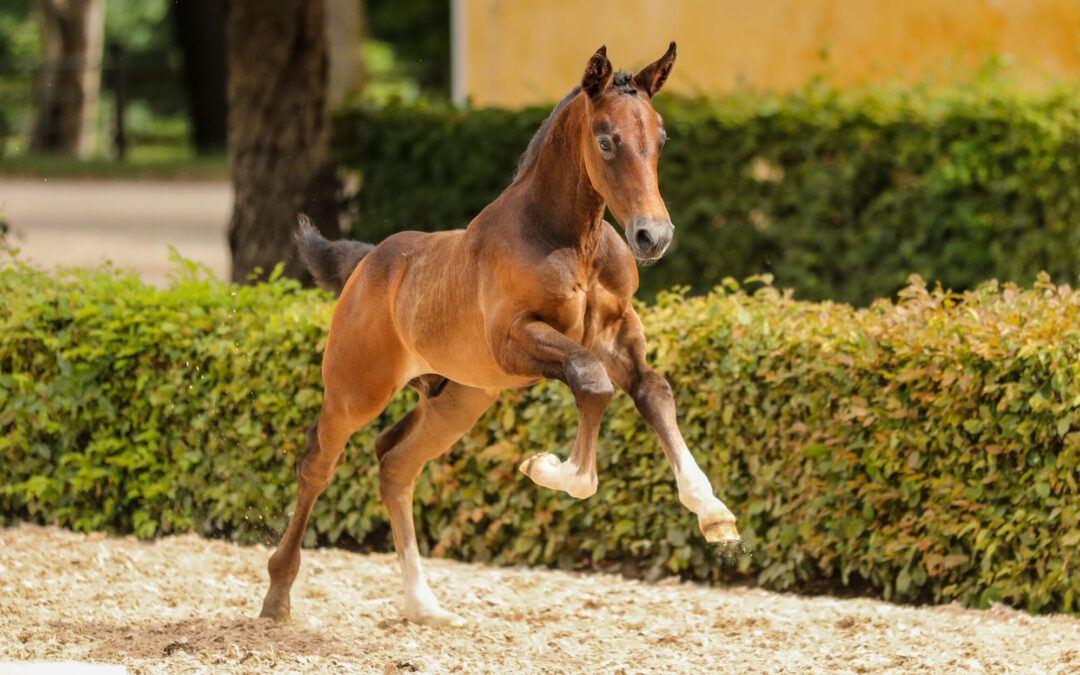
(839, 195)
(922, 450)
(20, 47)
(145, 162)
(419, 33)
(140, 26)
(387, 78)
(20, 36)
(429, 166)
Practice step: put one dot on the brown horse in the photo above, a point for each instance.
(537, 287)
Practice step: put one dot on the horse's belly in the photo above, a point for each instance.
(465, 359)
(485, 378)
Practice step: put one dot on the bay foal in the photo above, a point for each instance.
(537, 287)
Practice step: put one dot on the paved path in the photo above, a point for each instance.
(81, 223)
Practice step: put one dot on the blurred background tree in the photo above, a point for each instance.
(171, 55)
(286, 69)
(73, 40)
(193, 78)
(199, 30)
(279, 131)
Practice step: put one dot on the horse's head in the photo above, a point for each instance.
(623, 138)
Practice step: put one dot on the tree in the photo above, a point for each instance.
(279, 131)
(344, 36)
(200, 33)
(73, 39)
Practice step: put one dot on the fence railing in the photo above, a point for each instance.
(122, 79)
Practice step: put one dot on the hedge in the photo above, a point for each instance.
(925, 450)
(840, 195)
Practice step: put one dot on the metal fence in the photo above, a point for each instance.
(152, 91)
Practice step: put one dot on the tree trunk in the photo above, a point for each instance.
(344, 37)
(200, 32)
(279, 132)
(73, 34)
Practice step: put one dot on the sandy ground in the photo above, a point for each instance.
(133, 223)
(185, 604)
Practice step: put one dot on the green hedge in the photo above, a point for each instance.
(840, 195)
(925, 450)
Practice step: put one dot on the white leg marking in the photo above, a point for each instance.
(546, 470)
(715, 519)
(420, 603)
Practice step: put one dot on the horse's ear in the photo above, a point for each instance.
(653, 76)
(598, 74)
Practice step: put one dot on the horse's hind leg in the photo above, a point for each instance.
(426, 431)
(324, 454)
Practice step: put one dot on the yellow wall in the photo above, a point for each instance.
(517, 52)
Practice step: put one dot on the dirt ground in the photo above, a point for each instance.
(185, 604)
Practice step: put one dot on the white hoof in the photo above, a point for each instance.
(546, 470)
(720, 531)
(436, 617)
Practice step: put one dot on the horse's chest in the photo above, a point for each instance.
(575, 300)
(570, 314)
(583, 313)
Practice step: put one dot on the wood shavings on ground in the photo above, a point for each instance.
(184, 604)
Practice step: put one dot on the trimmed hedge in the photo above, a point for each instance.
(923, 450)
(840, 195)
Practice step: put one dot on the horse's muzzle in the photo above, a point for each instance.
(649, 238)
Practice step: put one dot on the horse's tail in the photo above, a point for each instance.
(330, 262)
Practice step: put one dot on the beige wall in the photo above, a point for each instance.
(517, 52)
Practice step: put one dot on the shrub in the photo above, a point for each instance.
(922, 450)
(840, 195)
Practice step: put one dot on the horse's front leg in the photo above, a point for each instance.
(625, 360)
(537, 349)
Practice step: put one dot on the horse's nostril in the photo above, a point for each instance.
(644, 240)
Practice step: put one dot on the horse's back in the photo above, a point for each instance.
(404, 249)
(423, 289)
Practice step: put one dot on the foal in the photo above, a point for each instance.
(537, 287)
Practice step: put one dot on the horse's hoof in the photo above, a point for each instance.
(720, 532)
(273, 608)
(544, 459)
(546, 470)
(276, 614)
(435, 618)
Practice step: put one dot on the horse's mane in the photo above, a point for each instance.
(621, 82)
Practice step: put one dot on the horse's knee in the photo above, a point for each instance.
(590, 383)
(653, 397)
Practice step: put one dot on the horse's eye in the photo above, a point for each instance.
(607, 148)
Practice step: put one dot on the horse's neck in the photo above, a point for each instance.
(561, 202)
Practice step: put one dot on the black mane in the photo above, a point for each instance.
(621, 82)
